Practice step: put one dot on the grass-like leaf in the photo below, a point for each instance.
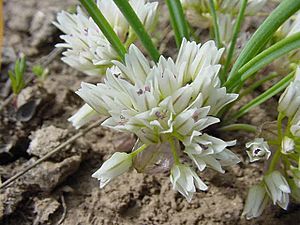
(212, 9)
(264, 58)
(263, 34)
(178, 21)
(281, 85)
(104, 26)
(236, 30)
(138, 27)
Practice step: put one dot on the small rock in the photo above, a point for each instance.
(48, 175)
(45, 139)
(11, 197)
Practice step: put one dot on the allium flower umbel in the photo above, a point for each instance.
(168, 102)
(87, 48)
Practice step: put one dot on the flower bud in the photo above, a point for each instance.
(116, 165)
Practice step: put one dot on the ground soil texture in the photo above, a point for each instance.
(61, 190)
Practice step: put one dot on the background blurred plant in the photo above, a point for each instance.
(17, 76)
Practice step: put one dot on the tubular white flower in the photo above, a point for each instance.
(115, 166)
(278, 189)
(256, 202)
(84, 115)
(87, 48)
(287, 145)
(258, 149)
(289, 102)
(184, 180)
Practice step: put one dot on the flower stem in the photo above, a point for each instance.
(174, 152)
(140, 149)
(239, 126)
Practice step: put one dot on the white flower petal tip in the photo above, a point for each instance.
(287, 145)
(115, 166)
(185, 181)
(278, 188)
(84, 115)
(256, 202)
(258, 149)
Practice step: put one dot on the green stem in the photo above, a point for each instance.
(104, 26)
(178, 21)
(236, 30)
(138, 27)
(212, 9)
(140, 149)
(274, 161)
(239, 126)
(174, 151)
(255, 85)
(264, 96)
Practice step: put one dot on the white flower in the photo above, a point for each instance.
(258, 149)
(226, 25)
(116, 165)
(256, 202)
(278, 189)
(209, 151)
(87, 48)
(289, 102)
(184, 180)
(287, 145)
(84, 115)
(295, 129)
(168, 100)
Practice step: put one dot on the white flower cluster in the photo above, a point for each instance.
(274, 187)
(198, 11)
(87, 48)
(166, 102)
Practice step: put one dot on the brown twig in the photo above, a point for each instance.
(55, 150)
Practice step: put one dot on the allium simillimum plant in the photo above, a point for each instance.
(173, 106)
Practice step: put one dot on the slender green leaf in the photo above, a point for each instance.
(282, 84)
(285, 10)
(104, 26)
(178, 21)
(236, 30)
(138, 27)
(212, 9)
(264, 58)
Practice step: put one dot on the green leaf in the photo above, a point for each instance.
(236, 30)
(212, 9)
(138, 27)
(178, 21)
(104, 26)
(263, 34)
(282, 84)
(264, 58)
